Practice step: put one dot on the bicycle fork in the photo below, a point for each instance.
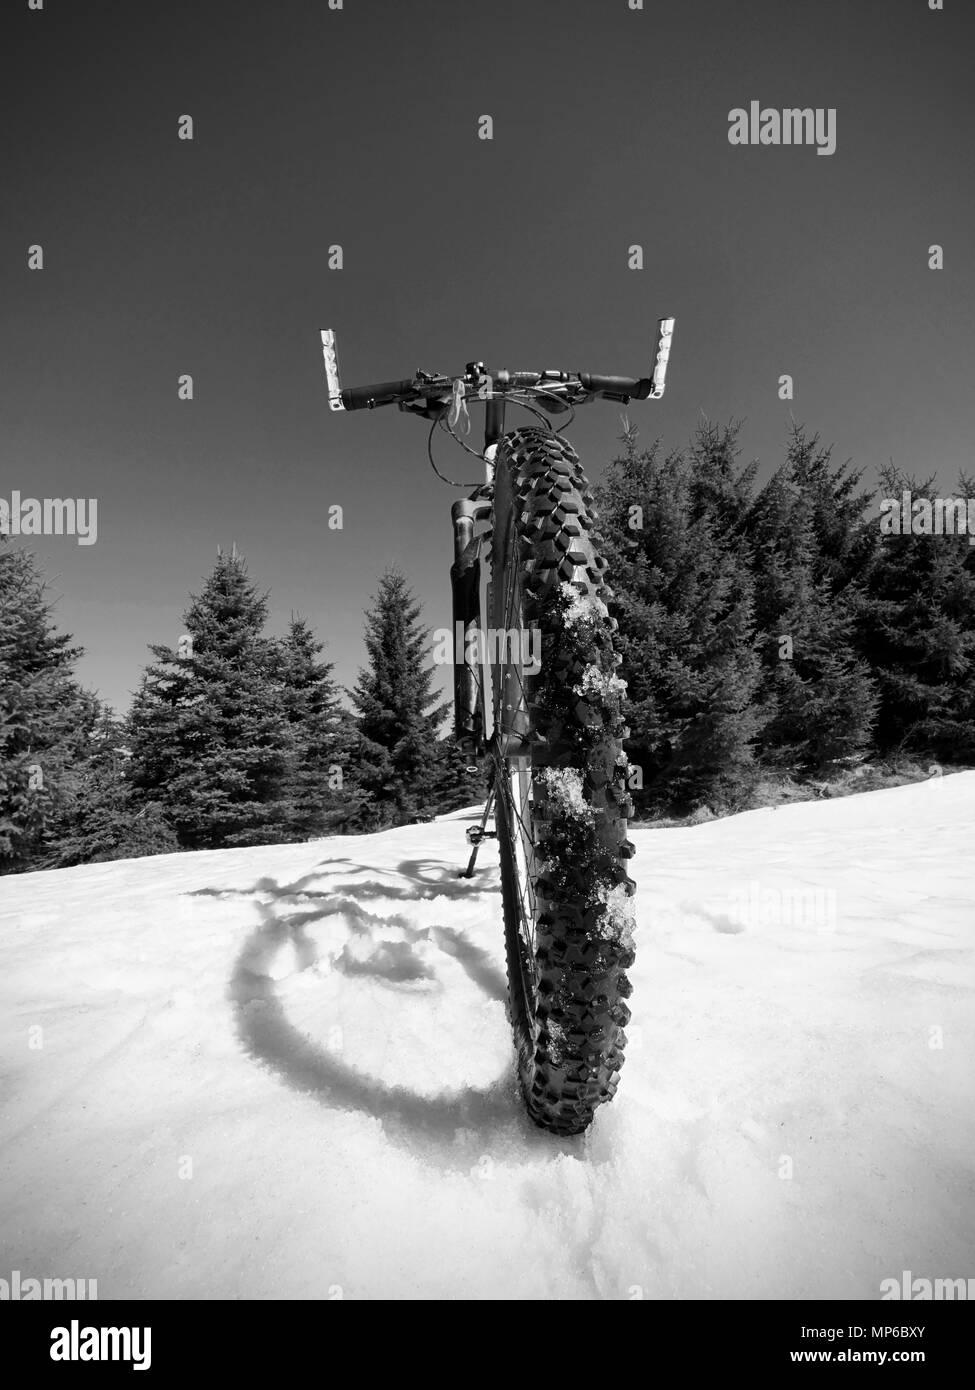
(465, 583)
(470, 691)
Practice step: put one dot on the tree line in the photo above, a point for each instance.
(776, 632)
(767, 633)
(233, 737)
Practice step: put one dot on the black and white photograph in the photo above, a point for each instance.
(487, 667)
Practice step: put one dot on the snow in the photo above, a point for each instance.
(598, 686)
(286, 1072)
(619, 919)
(563, 787)
(580, 608)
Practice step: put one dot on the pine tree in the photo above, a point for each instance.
(820, 699)
(718, 490)
(45, 716)
(402, 767)
(105, 818)
(844, 538)
(807, 541)
(315, 792)
(209, 731)
(917, 630)
(684, 606)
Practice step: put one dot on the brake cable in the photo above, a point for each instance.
(458, 408)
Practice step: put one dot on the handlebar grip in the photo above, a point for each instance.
(383, 393)
(616, 387)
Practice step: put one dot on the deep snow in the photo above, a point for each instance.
(286, 1072)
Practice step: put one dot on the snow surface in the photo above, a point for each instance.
(318, 1030)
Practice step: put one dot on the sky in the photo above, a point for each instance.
(358, 127)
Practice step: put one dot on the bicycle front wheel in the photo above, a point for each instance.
(560, 781)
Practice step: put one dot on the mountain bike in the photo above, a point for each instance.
(536, 693)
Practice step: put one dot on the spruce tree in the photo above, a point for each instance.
(318, 800)
(718, 490)
(45, 716)
(917, 630)
(683, 599)
(844, 538)
(820, 700)
(209, 731)
(106, 819)
(818, 697)
(402, 767)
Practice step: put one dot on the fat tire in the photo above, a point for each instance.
(568, 1022)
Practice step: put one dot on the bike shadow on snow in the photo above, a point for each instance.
(426, 878)
(453, 1128)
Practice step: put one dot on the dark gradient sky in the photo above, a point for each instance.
(359, 127)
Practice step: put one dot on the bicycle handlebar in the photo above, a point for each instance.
(397, 392)
(429, 388)
(385, 393)
(616, 387)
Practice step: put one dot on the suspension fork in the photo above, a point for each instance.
(465, 578)
(506, 696)
(465, 583)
